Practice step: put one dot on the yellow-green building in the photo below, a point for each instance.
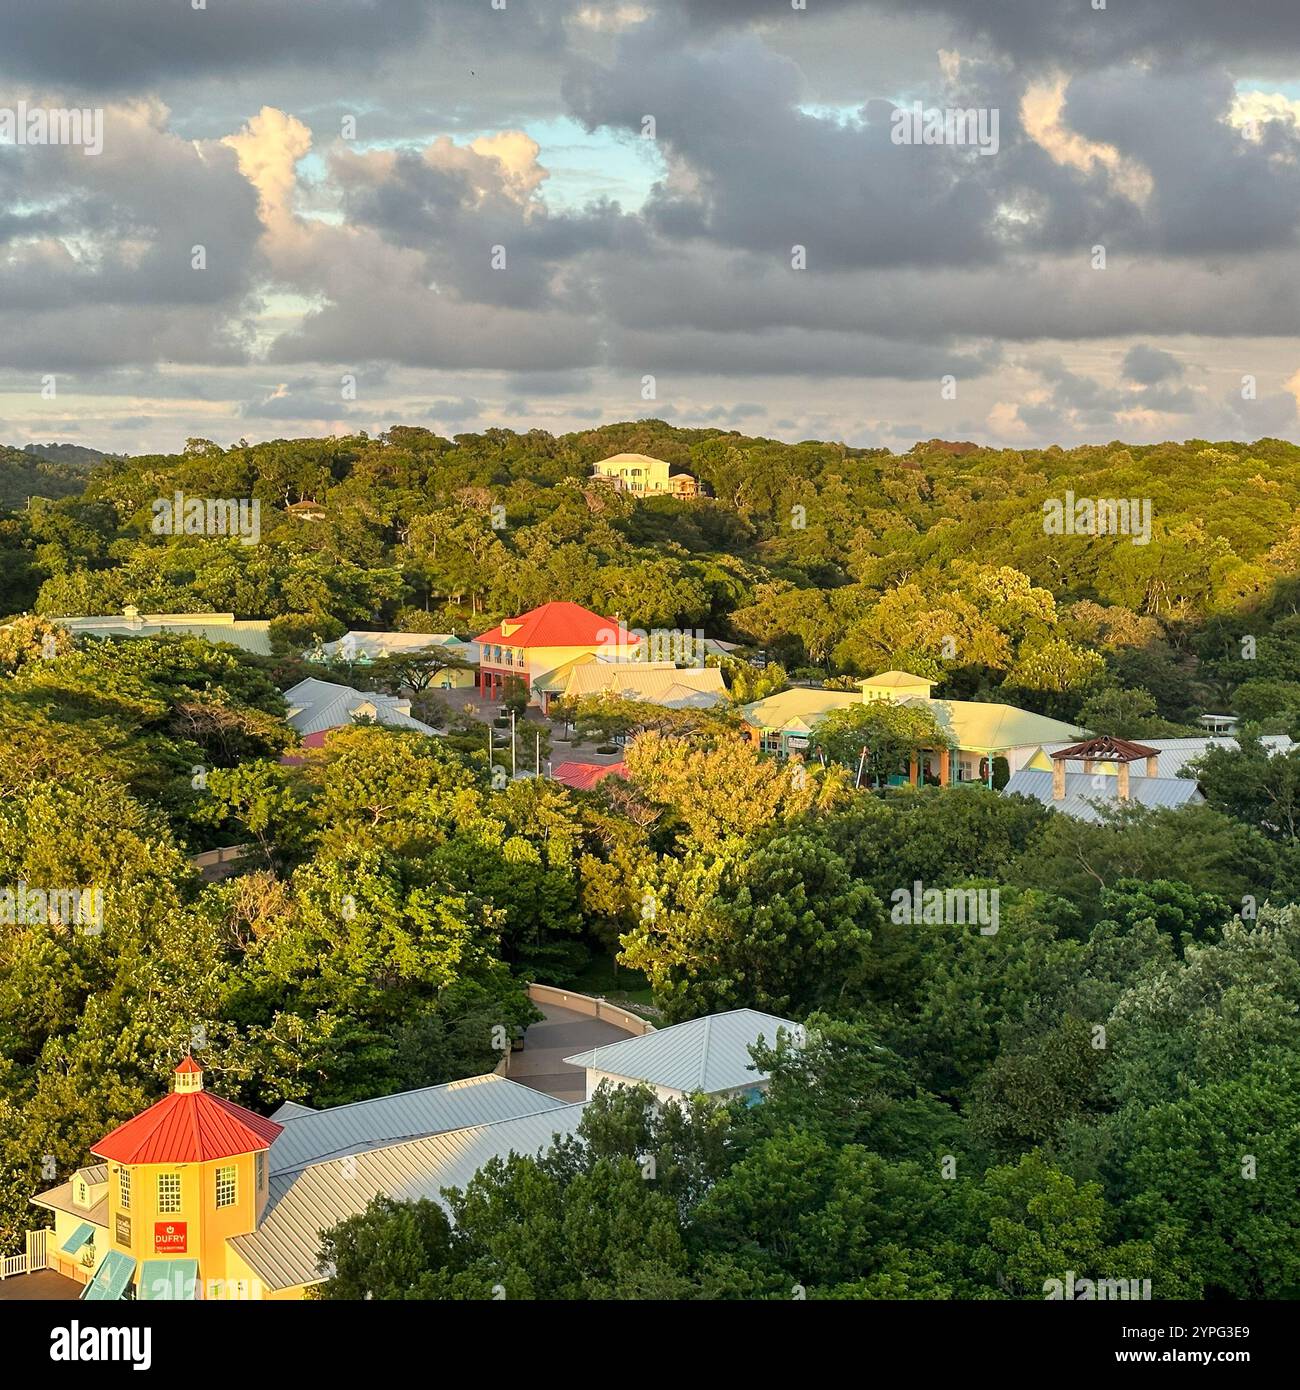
(978, 730)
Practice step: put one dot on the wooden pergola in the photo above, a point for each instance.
(1105, 749)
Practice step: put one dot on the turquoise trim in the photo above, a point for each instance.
(78, 1238)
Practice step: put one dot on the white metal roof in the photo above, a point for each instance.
(316, 705)
(252, 634)
(318, 1135)
(290, 1109)
(1084, 791)
(707, 1054)
(285, 1248)
(376, 644)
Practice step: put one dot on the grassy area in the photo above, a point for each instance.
(603, 976)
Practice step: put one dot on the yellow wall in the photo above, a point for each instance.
(70, 1266)
(207, 1226)
(244, 1282)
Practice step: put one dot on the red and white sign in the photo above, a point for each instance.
(169, 1237)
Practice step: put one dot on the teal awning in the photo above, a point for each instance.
(162, 1280)
(111, 1278)
(78, 1238)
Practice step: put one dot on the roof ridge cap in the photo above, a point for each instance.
(704, 1048)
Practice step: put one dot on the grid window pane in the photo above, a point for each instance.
(226, 1187)
(169, 1192)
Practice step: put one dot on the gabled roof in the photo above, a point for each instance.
(1086, 792)
(188, 1127)
(285, 1248)
(373, 1124)
(708, 1054)
(60, 1198)
(559, 625)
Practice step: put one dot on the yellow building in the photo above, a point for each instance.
(197, 1197)
(643, 476)
(177, 1183)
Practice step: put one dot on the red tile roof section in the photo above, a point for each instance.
(583, 776)
(560, 625)
(188, 1127)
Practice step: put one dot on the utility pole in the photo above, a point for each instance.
(512, 743)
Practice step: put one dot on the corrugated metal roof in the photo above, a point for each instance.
(376, 644)
(1086, 792)
(285, 1248)
(188, 1127)
(316, 706)
(699, 687)
(252, 634)
(372, 1124)
(290, 1109)
(707, 1054)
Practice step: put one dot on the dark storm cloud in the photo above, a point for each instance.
(1147, 366)
(1213, 190)
(1059, 32)
(794, 353)
(477, 236)
(766, 176)
(116, 44)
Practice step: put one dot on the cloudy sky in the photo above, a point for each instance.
(320, 216)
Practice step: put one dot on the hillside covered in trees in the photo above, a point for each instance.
(974, 1113)
(832, 558)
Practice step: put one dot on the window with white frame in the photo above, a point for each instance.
(169, 1192)
(226, 1186)
(124, 1188)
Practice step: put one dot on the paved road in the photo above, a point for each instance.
(560, 1034)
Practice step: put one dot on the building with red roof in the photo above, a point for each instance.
(176, 1183)
(538, 643)
(583, 776)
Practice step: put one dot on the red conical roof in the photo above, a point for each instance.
(188, 1127)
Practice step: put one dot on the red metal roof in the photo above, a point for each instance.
(188, 1127)
(560, 625)
(583, 776)
(187, 1066)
